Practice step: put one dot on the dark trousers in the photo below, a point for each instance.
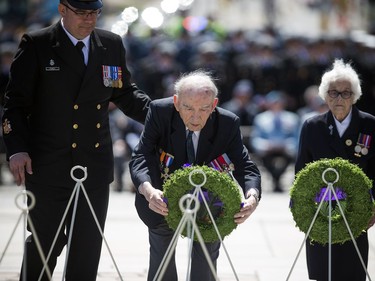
(160, 239)
(345, 262)
(119, 170)
(276, 164)
(85, 248)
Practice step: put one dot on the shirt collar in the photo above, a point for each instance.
(342, 126)
(196, 133)
(74, 40)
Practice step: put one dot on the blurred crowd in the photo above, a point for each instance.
(250, 67)
(266, 59)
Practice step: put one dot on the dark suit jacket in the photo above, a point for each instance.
(320, 139)
(165, 131)
(58, 112)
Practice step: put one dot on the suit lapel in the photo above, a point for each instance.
(178, 140)
(351, 134)
(67, 52)
(65, 49)
(96, 52)
(205, 142)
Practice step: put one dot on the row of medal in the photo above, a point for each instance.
(362, 146)
(222, 164)
(112, 76)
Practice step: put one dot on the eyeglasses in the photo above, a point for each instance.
(344, 94)
(85, 15)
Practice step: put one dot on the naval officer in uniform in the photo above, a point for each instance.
(56, 116)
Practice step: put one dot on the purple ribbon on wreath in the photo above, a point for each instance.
(215, 205)
(341, 195)
(210, 199)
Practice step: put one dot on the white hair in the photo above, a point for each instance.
(341, 71)
(196, 80)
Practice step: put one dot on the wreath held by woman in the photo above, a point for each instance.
(353, 191)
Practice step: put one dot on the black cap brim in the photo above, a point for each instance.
(86, 4)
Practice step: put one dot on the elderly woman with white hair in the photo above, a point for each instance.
(346, 132)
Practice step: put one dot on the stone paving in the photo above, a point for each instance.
(262, 249)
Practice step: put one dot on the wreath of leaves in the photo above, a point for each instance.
(219, 184)
(357, 206)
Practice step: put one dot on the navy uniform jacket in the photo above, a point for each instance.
(320, 139)
(165, 132)
(58, 113)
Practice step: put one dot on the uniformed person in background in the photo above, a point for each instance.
(56, 117)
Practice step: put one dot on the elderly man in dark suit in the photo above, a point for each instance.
(215, 132)
(56, 117)
(348, 133)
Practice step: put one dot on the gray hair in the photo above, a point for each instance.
(193, 81)
(341, 71)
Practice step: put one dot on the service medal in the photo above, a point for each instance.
(222, 163)
(106, 82)
(165, 162)
(119, 77)
(112, 76)
(106, 75)
(166, 175)
(364, 151)
(363, 145)
(357, 148)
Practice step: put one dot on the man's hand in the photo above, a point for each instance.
(18, 163)
(154, 197)
(248, 207)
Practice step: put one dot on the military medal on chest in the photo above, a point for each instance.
(363, 145)
(222, 163)
(165, 161)
(112, 76)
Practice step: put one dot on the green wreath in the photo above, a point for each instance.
(221, 193)
(353, 190)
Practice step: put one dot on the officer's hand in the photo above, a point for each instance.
(18, 163)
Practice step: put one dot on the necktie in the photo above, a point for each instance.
(277, 123)
(190, 147)
(79, 47)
